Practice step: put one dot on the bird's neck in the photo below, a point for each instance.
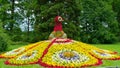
(58, 26)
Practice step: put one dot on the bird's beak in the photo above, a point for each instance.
(62, 19)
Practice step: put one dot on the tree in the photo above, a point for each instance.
(12, 15)
(9, 16)
(91, 21)
(46, 12)
(116, 8)
(98, 23)
(26, 12)
(5, 13)
(4, 39)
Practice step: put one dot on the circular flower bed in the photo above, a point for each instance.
(69, 56)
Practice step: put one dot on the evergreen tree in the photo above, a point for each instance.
(91, 21)
(9, 16)
(5, 13)
(98, 23)
(69, 10)
(116, 8)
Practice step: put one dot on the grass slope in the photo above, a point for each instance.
(106, 63)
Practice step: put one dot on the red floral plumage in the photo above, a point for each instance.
(58, 24)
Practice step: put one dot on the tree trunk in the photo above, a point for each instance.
(28, 29)
(12, 15)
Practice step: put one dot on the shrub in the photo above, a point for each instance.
(16, 38)
(3, 44)
(4, 39)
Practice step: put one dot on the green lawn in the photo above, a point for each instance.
(106, 63)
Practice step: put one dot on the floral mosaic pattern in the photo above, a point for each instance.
(59, 53)
(69, 56)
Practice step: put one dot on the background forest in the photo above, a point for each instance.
(90, 21)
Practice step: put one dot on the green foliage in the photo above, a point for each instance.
(3, 34)
(16, 34)
(91, 21)
(32, 37)
(69, 10)
(3, 44)
(98, 23)
(71, 31)
(44, 30)
(16, 38)
(4, 40)
(116, 9)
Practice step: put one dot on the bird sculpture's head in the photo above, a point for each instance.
(58, 19)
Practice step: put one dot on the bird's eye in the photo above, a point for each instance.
(60, 19)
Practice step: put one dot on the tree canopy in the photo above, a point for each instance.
(91, 21)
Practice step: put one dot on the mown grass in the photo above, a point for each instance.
(106, 63)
